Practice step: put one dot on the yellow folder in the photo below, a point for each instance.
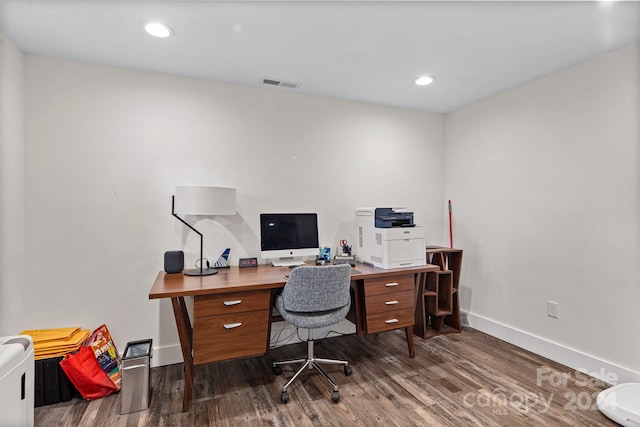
(41, 335)
(56, 342)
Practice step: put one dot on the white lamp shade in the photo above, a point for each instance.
(205, 201)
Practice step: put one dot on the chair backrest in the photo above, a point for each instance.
(317, 288)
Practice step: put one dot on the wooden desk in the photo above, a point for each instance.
(232, 309)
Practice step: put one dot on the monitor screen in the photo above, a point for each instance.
(285, 235)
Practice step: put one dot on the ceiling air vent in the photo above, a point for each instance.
(273, 82)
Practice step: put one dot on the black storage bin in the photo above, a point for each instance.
(51, 383)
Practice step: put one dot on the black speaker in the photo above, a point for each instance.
(173, 261)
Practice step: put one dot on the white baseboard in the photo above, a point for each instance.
(574, 359)
(168, 355)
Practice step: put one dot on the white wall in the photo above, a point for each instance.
(12, 278)
(105, 148)
(545, 182)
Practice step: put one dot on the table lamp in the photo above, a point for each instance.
(206, 201)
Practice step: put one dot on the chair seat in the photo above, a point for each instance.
(311, 320)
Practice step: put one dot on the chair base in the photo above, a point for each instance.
(311, 362)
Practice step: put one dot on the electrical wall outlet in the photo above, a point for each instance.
(552, 309)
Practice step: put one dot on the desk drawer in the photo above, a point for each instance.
(227, 336)
(385, 285)
(389, 302)
(233, 302)
(389, 320)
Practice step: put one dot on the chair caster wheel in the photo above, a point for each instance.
(347, 371)
(335, 397)
(277, 370)
(284, 397)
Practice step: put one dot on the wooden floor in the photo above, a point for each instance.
(465, 379)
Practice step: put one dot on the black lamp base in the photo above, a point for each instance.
(198, 272)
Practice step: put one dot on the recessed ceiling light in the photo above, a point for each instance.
(424, 80)
(158, 29)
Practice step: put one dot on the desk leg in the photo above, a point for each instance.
(357, 301)
(418, 287)
(409, 333)
(185, 332)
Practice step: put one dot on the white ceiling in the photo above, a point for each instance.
(367, 51)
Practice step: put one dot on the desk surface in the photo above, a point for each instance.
(234, 279)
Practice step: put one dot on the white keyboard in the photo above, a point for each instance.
(287, 263)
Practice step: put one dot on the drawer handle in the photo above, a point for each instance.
(389, 285)
(391, 321)
(232, 325)
(234, 302)
(391, 302)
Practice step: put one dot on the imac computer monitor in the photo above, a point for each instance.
(287, 238)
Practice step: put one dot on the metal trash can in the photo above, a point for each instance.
(135, 392)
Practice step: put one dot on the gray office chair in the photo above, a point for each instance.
(315, 297)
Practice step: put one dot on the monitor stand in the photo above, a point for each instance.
(287, 262)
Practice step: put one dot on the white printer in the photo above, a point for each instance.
(388, 238)
(17, 379)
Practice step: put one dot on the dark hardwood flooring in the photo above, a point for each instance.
(464, 379)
